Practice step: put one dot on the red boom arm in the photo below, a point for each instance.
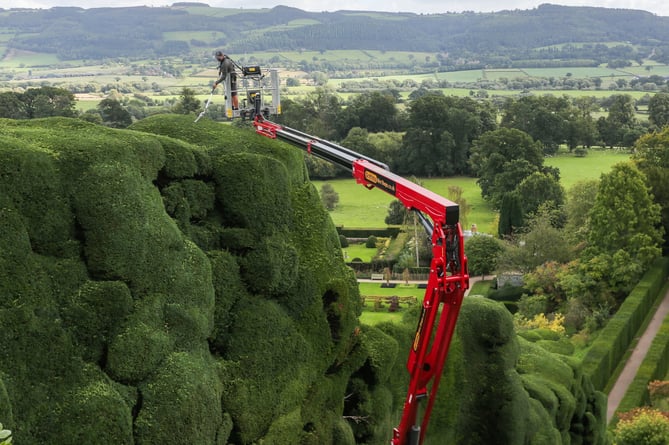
(446, 284)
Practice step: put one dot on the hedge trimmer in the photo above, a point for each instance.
(206, 105)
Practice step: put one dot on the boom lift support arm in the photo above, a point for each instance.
(447, 281)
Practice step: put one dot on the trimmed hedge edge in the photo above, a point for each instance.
(654, 367)
(613, 341)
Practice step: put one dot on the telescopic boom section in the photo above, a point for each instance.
(446, 284)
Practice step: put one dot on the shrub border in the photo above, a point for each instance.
(653, 367)
(613, 341)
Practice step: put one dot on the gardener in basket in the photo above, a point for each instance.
(226, 66)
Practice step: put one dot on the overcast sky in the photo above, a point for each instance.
(659, 7)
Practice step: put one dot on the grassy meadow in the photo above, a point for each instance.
(359, 207)
(574, 169)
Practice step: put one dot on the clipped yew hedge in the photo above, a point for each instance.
(614, 340)
(171, 283)
(181, 283)
(654, 367)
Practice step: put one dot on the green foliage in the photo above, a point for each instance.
(482, 254)
(654, 367)
(188, 103)
(613, 341)
(343, 434)
(151, 339)
(507, 293)
(540, 189)
(623, 240)
(329, 196)
(647, 427)
(182, 400)
(535, 396)
(36, 103)
(652, 158)
(114, 114)
(580, 199)
(490, 355)
(440, 134)
(510, 215)
(371, 242)
(658, 109)
(624, 215)
(537, 243)
(549, 119)
(397, 213)
(501, 159)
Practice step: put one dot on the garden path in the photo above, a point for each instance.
(634, 362)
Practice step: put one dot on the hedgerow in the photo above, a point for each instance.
(613, 341)
(654, 367)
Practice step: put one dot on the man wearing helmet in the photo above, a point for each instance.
(225, 67)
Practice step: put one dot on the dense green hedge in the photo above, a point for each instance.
(180, 283)
(173, 283)
(507, 293)
(654, 367)
(365, 232)
(500, 388)
(613, 341)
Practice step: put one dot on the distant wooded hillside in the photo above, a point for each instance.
(549, 32)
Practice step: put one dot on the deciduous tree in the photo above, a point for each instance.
(482, 252)
(652, 158)
(658, 109)
(580, 199)
(540, 189)
(113, 114)
(329, 196)
(502, 159)
(624, 216)
(188, 103)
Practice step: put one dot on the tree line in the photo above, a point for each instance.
(440, 135)
(536, 37)
(503, 145)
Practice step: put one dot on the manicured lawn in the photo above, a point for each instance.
(372, 318)
(481, 287)
(401, 290)
(359, 251)
(574, 169)
(359, 207)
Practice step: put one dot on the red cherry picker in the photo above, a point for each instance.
(446, 284)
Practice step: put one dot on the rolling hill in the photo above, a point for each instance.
(495, 39)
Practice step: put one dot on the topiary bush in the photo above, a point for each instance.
(500, 388)
(188, 281)
(192, 290)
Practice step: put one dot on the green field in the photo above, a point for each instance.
(358, 251)
(401, 290)
(369, 316)
(17, 59)
(372, 318)
(573, 169)
(359, 207)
